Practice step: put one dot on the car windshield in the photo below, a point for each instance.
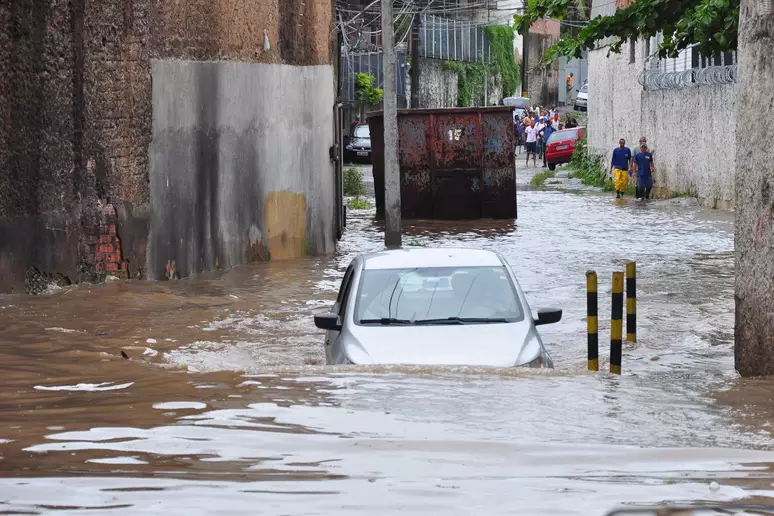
(561, 136)
(585, 88)
(362, 131)
(442, 295)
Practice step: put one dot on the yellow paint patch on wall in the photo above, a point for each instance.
(285, 216)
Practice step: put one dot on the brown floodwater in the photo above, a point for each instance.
(224, 404)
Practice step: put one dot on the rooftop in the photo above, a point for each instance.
(431, 257)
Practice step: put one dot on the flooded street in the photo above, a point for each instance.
(224, 404)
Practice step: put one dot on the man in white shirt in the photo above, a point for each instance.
(531, 131)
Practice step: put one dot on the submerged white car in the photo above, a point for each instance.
(443, 306)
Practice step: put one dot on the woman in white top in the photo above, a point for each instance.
(531, 133)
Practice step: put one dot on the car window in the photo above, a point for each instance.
(344, 285)
(362, 131)
(585, 88)
(422, 295)
(561, 136)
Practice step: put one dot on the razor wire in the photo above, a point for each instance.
(710, 76)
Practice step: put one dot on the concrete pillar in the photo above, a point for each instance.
(392, 237)
(754, 296)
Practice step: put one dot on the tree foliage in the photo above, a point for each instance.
(711, 24)
(366, 91)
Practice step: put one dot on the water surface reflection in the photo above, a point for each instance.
(223, 404)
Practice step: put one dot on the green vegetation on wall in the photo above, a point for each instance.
(470, 81)
(501, 40)
(503, 67)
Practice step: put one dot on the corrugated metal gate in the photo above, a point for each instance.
(455, 163)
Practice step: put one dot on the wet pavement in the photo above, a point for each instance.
(224, 404)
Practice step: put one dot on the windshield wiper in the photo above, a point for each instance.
(386, 321)
(463, 320)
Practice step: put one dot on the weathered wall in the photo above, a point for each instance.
(754, 329)
(76, 115)
(683, 127)
(237, 170)
(112, 111)
(439, 88)
(542, 81)
(37, 130)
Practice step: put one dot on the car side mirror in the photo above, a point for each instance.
(548, 316)
(328, 321)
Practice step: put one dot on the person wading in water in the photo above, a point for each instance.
(620, 166)
(644, 168)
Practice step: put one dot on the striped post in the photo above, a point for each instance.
(631, 302)
(616, 323)
(592, 320)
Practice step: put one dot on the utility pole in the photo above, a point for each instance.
(415, 42)
(525, 64)
(392, 237)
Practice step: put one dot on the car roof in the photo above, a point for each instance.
(571, 129)
(431, 257)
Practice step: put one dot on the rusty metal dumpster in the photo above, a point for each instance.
(455, 163)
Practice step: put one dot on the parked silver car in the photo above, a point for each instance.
(444, 306)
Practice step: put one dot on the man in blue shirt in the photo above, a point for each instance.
(547, 131)
(644, 168)
(620, 166)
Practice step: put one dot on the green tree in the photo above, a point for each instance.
(366, 92)
(711, 24)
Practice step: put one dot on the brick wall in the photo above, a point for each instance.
(75, 112)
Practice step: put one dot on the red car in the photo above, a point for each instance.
(561, 146)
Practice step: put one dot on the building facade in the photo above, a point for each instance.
(152, 139)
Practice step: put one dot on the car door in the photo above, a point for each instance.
(332, 337)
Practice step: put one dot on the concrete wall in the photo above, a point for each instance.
(754, 239)
(239, 164)
(685, 127)
(580, 70)
(542, 81)
(76, 111)
(439, 88)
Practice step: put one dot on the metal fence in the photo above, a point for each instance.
(353, 63)
(454, 40)
(689, 69)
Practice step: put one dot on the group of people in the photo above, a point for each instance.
(639, 166)
(536, 127)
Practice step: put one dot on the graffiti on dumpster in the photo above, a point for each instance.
(455, 163)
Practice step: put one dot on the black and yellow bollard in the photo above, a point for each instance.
(631, 302)
(616, 323)
(592, 320)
